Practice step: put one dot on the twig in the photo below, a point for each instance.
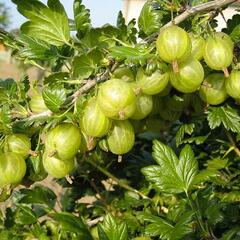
(87, 86)
(213, 5)
(95, 221)
(192, 11)
(73, 98)
(230, 138)
(118, 181)
(40, 115)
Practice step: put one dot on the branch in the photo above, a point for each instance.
(213, 5)
(40, 115)
(87, 86)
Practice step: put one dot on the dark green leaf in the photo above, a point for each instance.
(184, 129)
(8, 89)
(225, 115)
(25, 215)
(232, 234)
(54, 97)
(56, 78)
(233, 196)
(82, 18)
(233, 28)
(37, 195)
(35, 168)
(173, 175)
(85, 64)
(9, 218)
(46, 23)
(111, 229)
(72, 224)
(197, 140)
(213, 213)
(165, 229)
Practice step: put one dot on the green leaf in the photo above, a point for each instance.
(111, 229)
(5, 118)
(217, 164)
(47, 23)
(213, 213)
(36, 49)
(56, 78)
(35, 168)
(101, 234)
(204, 176)
(225, 115)
(72, 224)
(233, 28)
(173, 175)
(150, 19)
(82, 18)
(8, 90)
(165, 229)
(85, 64)
(36, 195)
(232, 234)
(25, 215)
(184, 129)
(127, 32)
(103, 37)
(197, 140)
(54, 97)
(212, 170)
(233, 196)
(137, 54)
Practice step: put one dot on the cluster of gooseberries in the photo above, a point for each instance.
(185, 51)
(131, 103)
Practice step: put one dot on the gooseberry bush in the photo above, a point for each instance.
(133, 132)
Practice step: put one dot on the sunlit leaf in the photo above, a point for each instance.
(173, 174)
(48, 23)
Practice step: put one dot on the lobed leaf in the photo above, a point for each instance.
(173, 175)
(225, 115)
(184, 129)
(73, 224)
(168, 230)
(151, 17)
(85, 64)
(36, 49)
(47, 23)
(36, 195)
(54, 97)
(81, 18)
(233, 28)
(110, 229)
